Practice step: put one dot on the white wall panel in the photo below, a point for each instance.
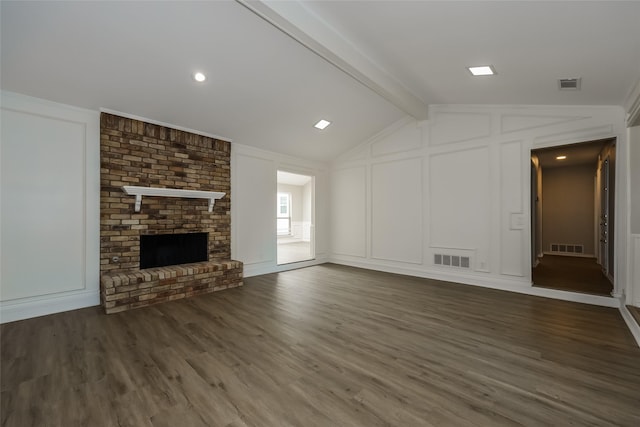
(321, 231)
(348, 218)
(569, 136)
(460, 200)
(396, 193)
(520, 122)
(254, 205)
(448, 127)
(474, 195)
(41, 211)
(634, 179)
(633, 290)
(407, 138)
(49, 210)
(512, 216)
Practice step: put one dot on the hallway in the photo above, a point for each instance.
(576, 274)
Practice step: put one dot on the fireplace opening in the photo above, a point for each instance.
(159, 250)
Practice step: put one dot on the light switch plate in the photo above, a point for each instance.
(517, 221)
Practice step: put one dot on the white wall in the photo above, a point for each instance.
(458, 184)
(633, 292)
(634, 175)
(307, 211)
(568, 195)
(49, 212)
(253, 207)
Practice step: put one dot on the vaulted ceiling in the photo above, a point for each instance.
(275, 68)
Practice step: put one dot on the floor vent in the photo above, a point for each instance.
(452, 260)
(564, 248)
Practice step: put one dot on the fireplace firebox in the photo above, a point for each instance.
(159, 250)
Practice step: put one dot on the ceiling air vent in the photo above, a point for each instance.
(569, 84)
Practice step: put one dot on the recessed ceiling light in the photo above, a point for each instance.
(322, 124)
(561, 157)
(483, 70)
(199, 77)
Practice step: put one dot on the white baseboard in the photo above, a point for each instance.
(522, 286)
(631, 323)
(250, 270)
(10, 311)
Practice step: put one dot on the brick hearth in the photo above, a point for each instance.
(124, 291)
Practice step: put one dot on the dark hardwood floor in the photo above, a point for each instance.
(326, 346)
(575, 274)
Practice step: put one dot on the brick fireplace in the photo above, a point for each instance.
(135, 153)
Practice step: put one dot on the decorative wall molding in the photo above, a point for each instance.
(513, 224)
(352, 196)
(470, 154)
(459, 185)
(396, 211)
(57, 292)
(407, 138)
(510, 123)
(633, 289)
(448, 127)
(576, 135)
(362, 151)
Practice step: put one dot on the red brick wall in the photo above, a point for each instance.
(137, 153)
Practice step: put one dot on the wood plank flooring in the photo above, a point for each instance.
(326, 346)
(568, 273)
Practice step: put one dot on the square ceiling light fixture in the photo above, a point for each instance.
(322, 124)
(482, 70)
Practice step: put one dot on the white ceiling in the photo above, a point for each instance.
(292, 178)
(266, 89)
(428, 44)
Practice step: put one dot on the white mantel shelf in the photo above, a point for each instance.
(131, 190)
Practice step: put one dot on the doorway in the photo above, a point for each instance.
(295, 218)
(572, 211)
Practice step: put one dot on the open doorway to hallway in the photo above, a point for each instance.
(572, 217)
(295, 218)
